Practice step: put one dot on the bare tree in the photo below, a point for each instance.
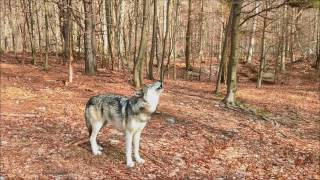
(89, 38)
(164, 48)
(138, 81)
(188, 38)
(233, 61)
(262, 54)
(154, 39)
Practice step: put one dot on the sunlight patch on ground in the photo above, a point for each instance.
(16, 93)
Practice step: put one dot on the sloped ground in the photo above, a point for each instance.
(43, 134)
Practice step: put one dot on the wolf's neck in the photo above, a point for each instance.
(153, 103)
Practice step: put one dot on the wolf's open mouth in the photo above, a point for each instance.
(160, 87)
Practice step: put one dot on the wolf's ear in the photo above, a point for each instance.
(139, 93)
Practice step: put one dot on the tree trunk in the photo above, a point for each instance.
(174, 39)
(108, 5)
(143, 45)
(262, 55)
(89, 42)
(164, 48)
(31, 32)
(46, 64)
(70, 41)
(104, 29)
(13, 30)
(24, 41)
(188, 38)
(136, 13)
(252, 37)
(39, 31)
(200, 41)
(233, 62)
(318, 42)
(154, 39)
(224, 53)
(2, 28)
(284, 39)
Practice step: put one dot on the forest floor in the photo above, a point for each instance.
(43, 134)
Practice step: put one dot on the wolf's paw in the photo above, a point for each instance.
(130, 164)
(97, 152)
(100, 147)
(140, 160)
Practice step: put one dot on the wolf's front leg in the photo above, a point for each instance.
(136, 144)
(129, 136)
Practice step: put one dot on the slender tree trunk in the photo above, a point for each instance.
(24, 40)
(108, 5)
(136, 13)
(164, 48)
(252, 37)
(224, 53)
(230, 98)
(121, 45)
(188, 38)
(262, 55)
(221, 41)
(174, 39)
(104, 29)
(13, 30)
(39, 31)
(31, 32)
(79, 45)
(143, 45)
(46, 63)
(89, 42)
(154, 39)
(318, 42)
(200, 41)
(284, 39)
(1, 29)
(70, 42)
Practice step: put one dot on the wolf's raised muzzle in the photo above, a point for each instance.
(161, 84)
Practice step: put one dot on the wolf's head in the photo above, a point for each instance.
(151, 94)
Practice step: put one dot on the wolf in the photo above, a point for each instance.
(128, 114)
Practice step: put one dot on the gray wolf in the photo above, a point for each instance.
(127, 114)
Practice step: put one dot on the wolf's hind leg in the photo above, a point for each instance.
(96, 149)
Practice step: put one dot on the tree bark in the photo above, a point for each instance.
(31, 32)
(318, 42)
(70, 42)
(108, 5)
(188, 38)
(164, 48)
(138, 81)
(39, 31)
(233, 62)
(224, 53)
(284, 39)
(154, 39)
(13, 30)
(89, 39)
(46, 63)
(252, 37)
(262, 55)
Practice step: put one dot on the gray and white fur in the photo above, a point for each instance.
(127, 114)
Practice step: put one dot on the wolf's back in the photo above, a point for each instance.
(101, 106)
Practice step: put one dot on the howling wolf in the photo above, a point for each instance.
(127, 114)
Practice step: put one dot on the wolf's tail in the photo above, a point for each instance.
(87, 118)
